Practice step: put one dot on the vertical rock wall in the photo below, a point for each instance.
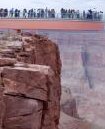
(31, 92)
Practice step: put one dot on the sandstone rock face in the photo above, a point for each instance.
(24, 108)
(25, 81)
(30, 98)
(22, 113)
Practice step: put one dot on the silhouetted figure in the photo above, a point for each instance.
(69, 13)
(24, 13)
(52, 13)
(78, 14)
(89, 14)
(34, 13)
(84, 15)
(11, 12)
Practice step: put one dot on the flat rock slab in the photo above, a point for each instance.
(28, 82)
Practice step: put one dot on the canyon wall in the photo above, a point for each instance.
(83, 70)
(30, 85)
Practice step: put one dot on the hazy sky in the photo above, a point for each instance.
(77, 4)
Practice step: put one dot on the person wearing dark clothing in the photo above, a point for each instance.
(16, 13)
(34, 13)
(78, 14)
(69, 13)
(52, 13)
(24, 13)
(42, 13)
(1, 12)
(5, 12)
(62, 13)
(31, 13)
(90, 14)
(84, 15)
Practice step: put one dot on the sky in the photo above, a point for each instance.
(57, 4)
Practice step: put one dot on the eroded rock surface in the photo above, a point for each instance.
(29, 93)
(22, 113)
(2, 107)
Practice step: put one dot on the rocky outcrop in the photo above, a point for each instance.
(29, 93)
(25, 91)
(68, 103)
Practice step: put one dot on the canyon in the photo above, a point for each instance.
(83, 70)
(81, 79)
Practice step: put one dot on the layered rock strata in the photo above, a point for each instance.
(30, 94)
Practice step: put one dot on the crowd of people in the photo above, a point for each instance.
(51, 13)
(25, 13)
(76, 14)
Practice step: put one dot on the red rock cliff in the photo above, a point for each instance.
(29, 93)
